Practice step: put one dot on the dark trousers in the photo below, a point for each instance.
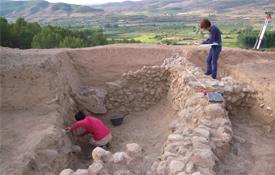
(212, 60)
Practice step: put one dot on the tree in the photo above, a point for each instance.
(4, 33)
(71, 42)
(47, 38)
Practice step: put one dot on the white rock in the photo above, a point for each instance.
(197, 173)
(176, 166)
(81, 172)
(76, 149)
(99, 154)
(262, 105)
(133, 149)
(121, 157)
(175, 137)
(123, 172)
(66, 172)
(189, 167)
(95, 168)
(202, 132)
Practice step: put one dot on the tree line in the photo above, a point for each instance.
(24, 35)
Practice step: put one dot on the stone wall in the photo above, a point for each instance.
(137, 91)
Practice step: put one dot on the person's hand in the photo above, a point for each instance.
(67, 130)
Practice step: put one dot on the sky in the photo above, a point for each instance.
(83, 2)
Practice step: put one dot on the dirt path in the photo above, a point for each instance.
(256, 156)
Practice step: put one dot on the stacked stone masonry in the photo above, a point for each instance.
(200, 135)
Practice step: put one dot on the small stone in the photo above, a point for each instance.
(133, 149)
(76, 149)
(189, 167)
(197, 173)
(175, 137)
(203, 132)
(262, 105)
(95, 168)
(121, 157)
(123, 172)
(81, 172)
(176, 166)
(268, 108)
(66, 172)
(203, 158)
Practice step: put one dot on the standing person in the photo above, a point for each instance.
(100, 134)
(214, 53)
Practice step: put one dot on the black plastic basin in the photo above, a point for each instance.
(117, 120)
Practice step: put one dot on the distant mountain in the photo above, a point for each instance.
(136, 12)
(39, 10)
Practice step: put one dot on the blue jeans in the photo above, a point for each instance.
(212, 60)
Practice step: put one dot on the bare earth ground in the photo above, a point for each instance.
(21, 130)
(256, 156)
(148, 128)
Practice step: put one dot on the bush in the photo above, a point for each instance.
(71, 42)
(248, 39)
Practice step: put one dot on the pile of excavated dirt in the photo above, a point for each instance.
(42, 89)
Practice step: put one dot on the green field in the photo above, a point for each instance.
(175, 33)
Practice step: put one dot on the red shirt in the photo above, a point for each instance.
(92, 126)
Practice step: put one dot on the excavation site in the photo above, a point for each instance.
(170, 126)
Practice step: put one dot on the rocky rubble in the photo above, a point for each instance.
(106, 163)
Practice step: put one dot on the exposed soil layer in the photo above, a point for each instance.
(252, 151)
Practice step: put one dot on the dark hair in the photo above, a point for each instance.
(205, 23)
(79, 116)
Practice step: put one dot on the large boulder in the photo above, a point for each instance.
(91, 99)
(99, 154)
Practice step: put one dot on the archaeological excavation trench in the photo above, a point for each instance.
(171, 128)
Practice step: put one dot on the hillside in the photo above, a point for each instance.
(136, 12)
(43, 11)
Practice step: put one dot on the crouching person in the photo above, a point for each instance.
(100, 134)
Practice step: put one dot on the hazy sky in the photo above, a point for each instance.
(87, 1)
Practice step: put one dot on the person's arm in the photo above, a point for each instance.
(212, 37)
(75, 126)
(84, 133)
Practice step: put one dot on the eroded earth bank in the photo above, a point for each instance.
(171, 128)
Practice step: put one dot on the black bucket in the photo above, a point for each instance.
(117, 120)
